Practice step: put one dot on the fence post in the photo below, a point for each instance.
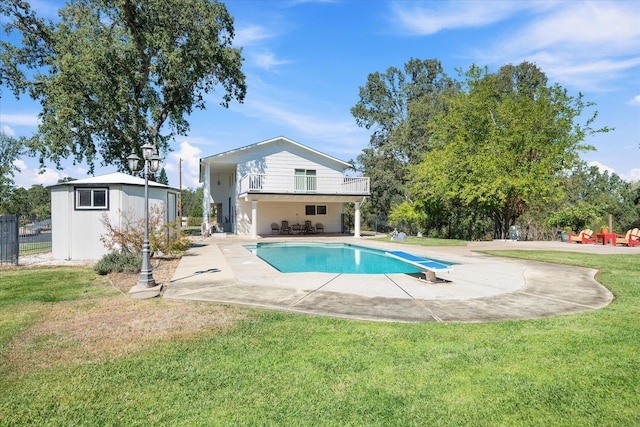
(9, 239)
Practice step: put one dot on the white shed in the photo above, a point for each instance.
(77, 209)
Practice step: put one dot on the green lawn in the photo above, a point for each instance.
(425, 241)
(275, 368)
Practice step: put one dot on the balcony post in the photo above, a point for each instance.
(356, 225)
(254, 219)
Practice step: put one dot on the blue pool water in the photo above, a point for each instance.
(290, 257)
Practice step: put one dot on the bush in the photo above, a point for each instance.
(128, 234)
(194, 221)
(119, 262)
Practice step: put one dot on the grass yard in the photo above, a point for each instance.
(206, 364)
(425, 241)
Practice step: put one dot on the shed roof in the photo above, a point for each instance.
(112, 178)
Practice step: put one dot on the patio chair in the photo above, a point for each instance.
(284, 229)
(319, 227)
(308, 228)
(631, 238)
(585, 236)
(275, 228)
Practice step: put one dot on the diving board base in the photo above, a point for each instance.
(430, 276)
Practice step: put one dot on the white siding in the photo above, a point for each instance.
(279, 157)
(269, 212)
(76, 232)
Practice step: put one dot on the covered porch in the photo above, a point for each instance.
(302, 214)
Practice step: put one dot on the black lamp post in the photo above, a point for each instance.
(146, 287)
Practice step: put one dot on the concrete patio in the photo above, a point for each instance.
(479, 288)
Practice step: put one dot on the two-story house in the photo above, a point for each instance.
(256, 187)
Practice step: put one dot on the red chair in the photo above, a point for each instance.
(585, 236)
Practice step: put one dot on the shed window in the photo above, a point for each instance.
(92, 198)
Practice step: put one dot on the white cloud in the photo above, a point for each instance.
(438, 16)
(632, 175)
(250, 35)
(20, 164)
(28, 177)
(267, 60)
(635, 100)
(190, 156)
(585, 44)
(19, 119)
(602, 168)
(8, 131)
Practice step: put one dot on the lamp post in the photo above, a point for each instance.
(146, 287)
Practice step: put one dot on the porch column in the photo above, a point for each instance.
(206, 196)
(254, 219)
(357, 221)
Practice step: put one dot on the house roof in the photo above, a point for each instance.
(221, 156)
(112, 178)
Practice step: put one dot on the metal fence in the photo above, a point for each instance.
(22, 237)
(9, 246)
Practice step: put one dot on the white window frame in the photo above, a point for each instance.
(93, 191)
(306, 180)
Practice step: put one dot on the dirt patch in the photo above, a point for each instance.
(163, 270)
(89, 331)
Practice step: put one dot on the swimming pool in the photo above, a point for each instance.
(290, 257)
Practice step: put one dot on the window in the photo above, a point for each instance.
(305, 180)
(315, 210)
(92, 198)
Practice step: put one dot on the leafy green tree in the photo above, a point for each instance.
(405, 217)
(39, 201)
(604, 194)
(32, 202)
(500, 146)
(396, 105)
(192, 202)
(162, 177)
(10, 150)
(110, 74)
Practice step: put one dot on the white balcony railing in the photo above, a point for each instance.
(302, 184)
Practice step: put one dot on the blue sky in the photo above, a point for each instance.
(305, 61)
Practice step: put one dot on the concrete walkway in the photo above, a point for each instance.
(479, 288)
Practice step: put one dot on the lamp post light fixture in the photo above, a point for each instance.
(146, 286)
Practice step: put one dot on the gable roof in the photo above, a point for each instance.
(112, 178)
(221, 156)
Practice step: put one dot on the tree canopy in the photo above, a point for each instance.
(110, 74)
(488, 146)
(390, 104)
(10, 150)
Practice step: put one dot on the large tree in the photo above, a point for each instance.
(501, 145)
(10, 150)
(396, 105)
(110, 74)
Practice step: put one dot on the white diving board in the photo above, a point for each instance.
(428, 266)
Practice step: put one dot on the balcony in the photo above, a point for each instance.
(303, 184)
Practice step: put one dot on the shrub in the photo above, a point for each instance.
(119, 262)
(128, 234)
(194, 221)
